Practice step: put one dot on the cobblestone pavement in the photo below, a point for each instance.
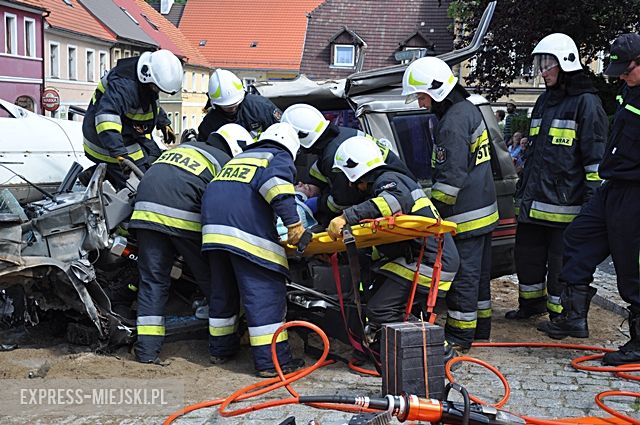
(543, 383)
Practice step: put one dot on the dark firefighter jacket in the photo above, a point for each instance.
(239, 207)
(337, 193)
(463, 190)
(170, 193)
(121, 115)
(566, 142)
(255, 113)
(621, 161)
(393, 193)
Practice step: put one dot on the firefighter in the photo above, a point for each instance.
(608, 224)
(566, 143)
(320, 137)
(390, 192)
(246, 260)
(124, 110)
(231, 104)
(166, 219)
(462, 191)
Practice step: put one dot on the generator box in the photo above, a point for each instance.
(412, 356)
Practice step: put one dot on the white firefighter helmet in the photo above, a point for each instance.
(428, 75)
(283, 134)
(225, 88)
(307, 121)
(356, 156)
(560, 46)
(236, 136)
(161, 68)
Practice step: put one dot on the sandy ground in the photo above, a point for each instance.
(42, 357)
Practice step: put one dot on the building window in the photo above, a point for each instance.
(54, 60)
(116, 56)
(29, 37)
(127, 54)
(136, 53)
(193, 81)
(91, 66)
(10, 34)
(103, 63)
(344, 55)
(184, 81)
(205, 84)
(184, 121)
(72, 62)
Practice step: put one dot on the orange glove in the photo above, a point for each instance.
(335, 227)
(294, 233)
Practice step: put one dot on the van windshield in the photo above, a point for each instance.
(414, 133)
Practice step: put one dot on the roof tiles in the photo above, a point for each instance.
(168, 33)
(229, 29)
(75, 18)
(382, 24)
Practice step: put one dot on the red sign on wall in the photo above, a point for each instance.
(50, 99)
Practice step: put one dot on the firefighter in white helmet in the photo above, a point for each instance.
(231, 104)
(462, 191)
(248, 265)
(388, 191)
(566, 143)
(124, 110)
(322, 138)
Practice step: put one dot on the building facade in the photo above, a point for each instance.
(21, 53)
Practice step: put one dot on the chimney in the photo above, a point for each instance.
(165, 6)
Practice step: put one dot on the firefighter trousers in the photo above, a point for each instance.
(607, 225)
(469, 299)
(235, 279)
(538, 258)
(156, 255)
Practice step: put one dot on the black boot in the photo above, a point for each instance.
(527, 310)
(575, 308)
(630, 352)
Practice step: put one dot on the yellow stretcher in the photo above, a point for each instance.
(380, 231)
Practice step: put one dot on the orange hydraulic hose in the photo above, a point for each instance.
(613, 412)
(505, 384)
(267, 385)
(619, 371)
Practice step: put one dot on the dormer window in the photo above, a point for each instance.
(344, 55)
(346, 48)
(416, 45)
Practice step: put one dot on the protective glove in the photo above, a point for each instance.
(335, 227)
(124, 167)
(168, 135)
(294, 233)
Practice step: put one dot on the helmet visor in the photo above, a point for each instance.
(544, 63)
(411, 98)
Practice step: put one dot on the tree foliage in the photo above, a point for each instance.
(518, 25)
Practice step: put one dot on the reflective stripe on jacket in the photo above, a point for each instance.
(395, 193)
(239, 207)
(463, 188)
(121, 114)
(170, 193)
(567, 140)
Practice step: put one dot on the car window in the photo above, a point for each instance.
(342, 118)
(4, 113)
(414, 136)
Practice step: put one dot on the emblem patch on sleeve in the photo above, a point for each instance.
(277, 114)
(440, 154)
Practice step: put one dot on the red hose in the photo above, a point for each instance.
(576, 363)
